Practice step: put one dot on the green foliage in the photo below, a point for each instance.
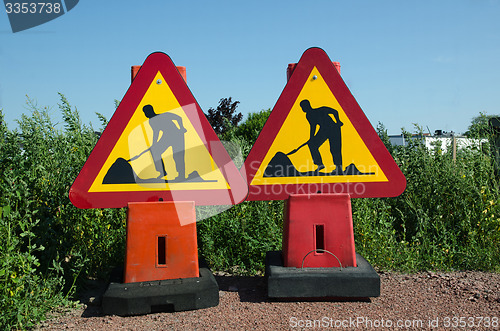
(238, 239)
(25, 294)
(104, 121)
(480, 127)
(225, 116)
(251, 127)
(47, 245)
(447, 219)
(382, 133)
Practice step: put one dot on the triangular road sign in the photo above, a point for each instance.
(317, 139)
(158, 146)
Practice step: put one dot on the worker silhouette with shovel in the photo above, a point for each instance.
(328, 130)
(322, 127)
(168, 131)
(172, 135)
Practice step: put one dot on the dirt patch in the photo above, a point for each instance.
(460, 300)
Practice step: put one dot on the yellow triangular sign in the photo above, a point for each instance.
(317, 139)
(158, 146)
(344, 148)
(179, 140)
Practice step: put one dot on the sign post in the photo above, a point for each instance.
(159, 157)
(316, 151)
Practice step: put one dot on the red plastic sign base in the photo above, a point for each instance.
(318, 231)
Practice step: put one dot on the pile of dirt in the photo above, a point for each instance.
(281, 166)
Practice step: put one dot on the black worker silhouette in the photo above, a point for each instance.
(328, 130)
(172, 135)
(322, 127)
(168, 131)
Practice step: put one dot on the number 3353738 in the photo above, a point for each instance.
(32, 8)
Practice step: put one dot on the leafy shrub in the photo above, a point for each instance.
(238, 239)
(48, 245)
(444, 220)
(447, 219)
(225, 116)
(251, 127)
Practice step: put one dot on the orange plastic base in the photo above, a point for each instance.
(315, 226)
(158, 246)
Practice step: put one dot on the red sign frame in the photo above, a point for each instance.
(157, 62)
(316, 57)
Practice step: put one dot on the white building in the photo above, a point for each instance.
(443, 142)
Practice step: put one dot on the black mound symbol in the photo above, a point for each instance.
(121, 172)
(281, 166)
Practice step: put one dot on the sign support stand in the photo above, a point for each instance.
(161, 263)
(162, 270)
(318, 259)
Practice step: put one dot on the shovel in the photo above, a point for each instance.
(137, 156)
(297, 149)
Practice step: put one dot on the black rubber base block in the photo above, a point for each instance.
(161, 296)
(350, 282)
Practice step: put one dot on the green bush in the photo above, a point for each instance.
(48, 245)
(251, 127)
(447, 219)
(238, 239)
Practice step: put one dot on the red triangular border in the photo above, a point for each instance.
(316, 57)
(79, 193)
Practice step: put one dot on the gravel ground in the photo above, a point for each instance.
(441, 301)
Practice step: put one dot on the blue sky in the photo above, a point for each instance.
(435, 63)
